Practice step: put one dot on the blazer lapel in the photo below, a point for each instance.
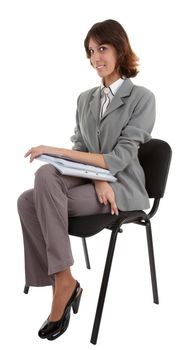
(117, 101)
(95, 103)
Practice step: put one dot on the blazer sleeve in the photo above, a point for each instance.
(135, 132)
(77, 139)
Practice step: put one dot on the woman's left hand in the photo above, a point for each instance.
(37, 151)
(106, 195)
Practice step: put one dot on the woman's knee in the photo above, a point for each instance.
(44, 175)
(24, 200)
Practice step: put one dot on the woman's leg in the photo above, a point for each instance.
(43, 222)
(51, 204)
(36, 267)
(63, 289)
(44, 217)
(82, 200)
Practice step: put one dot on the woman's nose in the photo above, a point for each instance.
(96, 56)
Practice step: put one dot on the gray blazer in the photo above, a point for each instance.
(126, 124)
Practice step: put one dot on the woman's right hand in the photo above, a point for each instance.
(106, 194)
(37, 151)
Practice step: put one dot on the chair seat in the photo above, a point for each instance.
(86, 226)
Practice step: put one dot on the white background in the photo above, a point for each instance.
(43, 68)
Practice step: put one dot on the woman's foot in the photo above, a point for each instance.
(53, 329)
(67, 295)
(61, 297)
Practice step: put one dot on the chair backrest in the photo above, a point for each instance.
(155, 157)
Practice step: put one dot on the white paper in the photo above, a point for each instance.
(69, 167)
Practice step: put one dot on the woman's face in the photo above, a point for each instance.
(103, 58)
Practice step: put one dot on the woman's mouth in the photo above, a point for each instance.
(100, 66)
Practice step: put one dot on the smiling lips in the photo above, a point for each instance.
(100, 66)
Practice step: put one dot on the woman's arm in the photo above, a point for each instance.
(136, 132)
(83, 157)
(103, 190)
(96, 159)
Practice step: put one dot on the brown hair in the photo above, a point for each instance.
(111, 32)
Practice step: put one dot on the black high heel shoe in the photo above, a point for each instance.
(52, 330)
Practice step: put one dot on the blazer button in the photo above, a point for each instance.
(98, 132)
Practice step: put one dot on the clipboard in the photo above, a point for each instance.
(72, 168)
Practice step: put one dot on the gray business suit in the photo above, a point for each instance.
(126, 124)
(44, 210)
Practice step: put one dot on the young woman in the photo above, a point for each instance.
(112, 120)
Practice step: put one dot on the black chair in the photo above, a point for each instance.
(155, 157)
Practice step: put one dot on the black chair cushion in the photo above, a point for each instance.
(86, 226)
(155, 157)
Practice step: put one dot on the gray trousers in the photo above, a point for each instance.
(44, 213)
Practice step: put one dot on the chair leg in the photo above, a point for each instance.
(103, 288)
(26, 289)
(152, 262)
(86, 253)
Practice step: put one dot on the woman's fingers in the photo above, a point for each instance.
(100, 199)
(34, 152)
(114, 209)
(28, 153)
(104, 200)
(106, 196)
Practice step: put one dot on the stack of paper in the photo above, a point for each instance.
(70, 167)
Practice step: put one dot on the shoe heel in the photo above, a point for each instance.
(76, 302)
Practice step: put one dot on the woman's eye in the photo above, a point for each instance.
(90, 51)
(102, 48)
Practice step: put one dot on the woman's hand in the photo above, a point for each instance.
(106, 194)
(37, 151)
